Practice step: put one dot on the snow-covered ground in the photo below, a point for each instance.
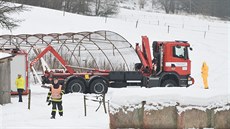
(209, 39)
(17, 116)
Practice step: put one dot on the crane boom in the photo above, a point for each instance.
(60, 59)
(145, 56)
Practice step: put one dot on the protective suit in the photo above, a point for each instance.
(20, 83)
(204, 72)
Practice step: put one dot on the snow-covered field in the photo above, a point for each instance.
(17, 116)
(209, 39)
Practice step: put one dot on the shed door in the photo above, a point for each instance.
(18, 65)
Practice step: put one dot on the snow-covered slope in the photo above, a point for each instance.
(209, 39)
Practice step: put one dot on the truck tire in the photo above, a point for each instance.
(169, 83)
(99, 86)
(76, 85)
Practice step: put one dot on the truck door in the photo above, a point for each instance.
(178, 60)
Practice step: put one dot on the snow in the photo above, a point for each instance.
(4, 55)
(209, 39)
(158, 98)
(222, 108)
(181, 109)
(17, 116)
(184, 96)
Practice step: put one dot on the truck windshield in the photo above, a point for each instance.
(180, 52)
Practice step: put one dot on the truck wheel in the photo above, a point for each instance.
(99, 86)
(76, 85)
(169, 83)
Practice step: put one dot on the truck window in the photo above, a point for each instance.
(180, 52)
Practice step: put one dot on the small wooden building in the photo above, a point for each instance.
(5, 73)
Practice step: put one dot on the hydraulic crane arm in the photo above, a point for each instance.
(60, 59)
(43, 62)
(145, 54)
(141, 56)
(146, 51)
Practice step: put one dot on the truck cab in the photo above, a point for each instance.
(170, 66)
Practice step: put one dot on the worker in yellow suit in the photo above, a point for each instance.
(204, 72)
(20, 83)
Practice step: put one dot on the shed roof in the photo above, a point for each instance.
(4, 55)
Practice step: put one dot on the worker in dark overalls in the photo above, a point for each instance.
(55, 94)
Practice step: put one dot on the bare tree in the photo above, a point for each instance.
(81, 7)
(110, 7)
(165, 5)
(168, 5)
(6, 9)
(154, 3)
(141, 4)
(97, 7)
(106, 7)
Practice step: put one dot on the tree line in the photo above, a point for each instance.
(216, 8)
(85, 7)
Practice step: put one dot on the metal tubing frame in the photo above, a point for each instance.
(22, 41)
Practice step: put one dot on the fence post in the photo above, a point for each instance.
(85, 105)
(208, 27)
(168, 28)
(136, 23)
(29, 99)
(204, 34)
(158, 23)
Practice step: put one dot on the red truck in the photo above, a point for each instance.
(170, 66)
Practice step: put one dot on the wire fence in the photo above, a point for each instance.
(100, 99)
(184, 23)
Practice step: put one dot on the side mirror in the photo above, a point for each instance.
(190, 49)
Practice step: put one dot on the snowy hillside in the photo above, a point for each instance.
(209, 39)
